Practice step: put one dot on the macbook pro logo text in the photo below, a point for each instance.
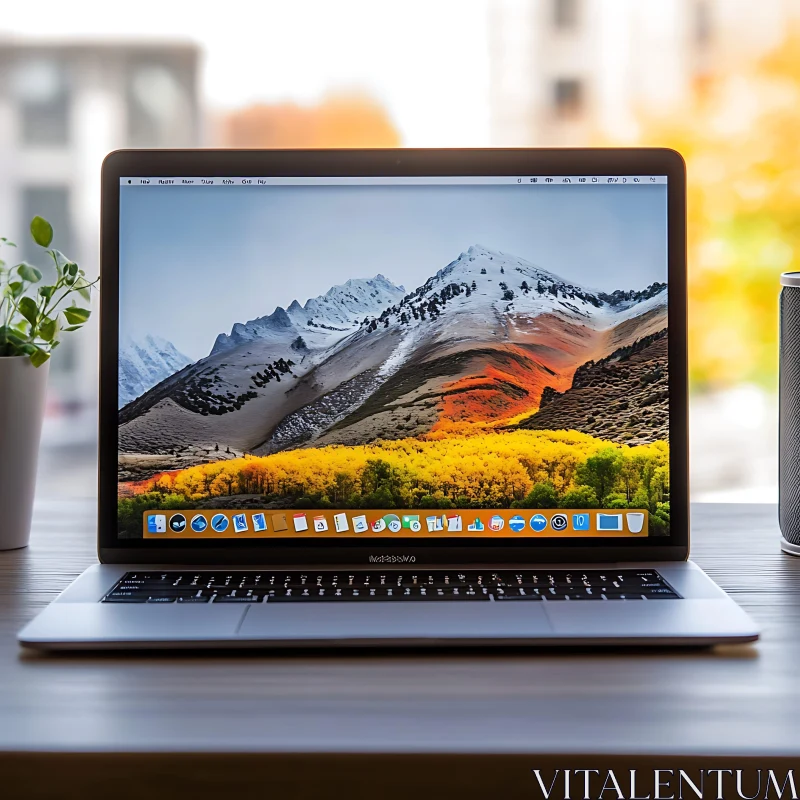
(392, 559)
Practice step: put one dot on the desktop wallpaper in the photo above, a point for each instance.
(393, 347)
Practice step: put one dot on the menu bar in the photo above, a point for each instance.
(399, 180)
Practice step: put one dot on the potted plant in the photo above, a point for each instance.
(33, 315)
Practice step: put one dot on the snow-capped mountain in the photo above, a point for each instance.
(322, 320)
(477, 343)
(485, 283)
(145, 362)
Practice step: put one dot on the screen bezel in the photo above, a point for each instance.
(389, 163)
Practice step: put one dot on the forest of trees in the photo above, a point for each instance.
(518, 469)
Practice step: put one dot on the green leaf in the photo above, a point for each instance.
(48, 329)
(16, 288)
(22, 327)
(29, 273)
(82, 286)
(39, 356)
(73, 328)
(27, 307)
(42, 231)
(63, 263)
(61, 259)
(72, 269)
(46, 291)
(76, 316)
(6, 241)
(9, 335)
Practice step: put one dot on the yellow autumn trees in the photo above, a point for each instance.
(483, 469)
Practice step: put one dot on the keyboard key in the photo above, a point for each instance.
(242, 598)
(505, 597)
(124, 599)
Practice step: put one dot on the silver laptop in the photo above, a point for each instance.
(407, 397)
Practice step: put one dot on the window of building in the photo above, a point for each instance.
(702, 22)
(160, 112)
(567, 98)
(565, 14)
(52, 203)
(42, 93)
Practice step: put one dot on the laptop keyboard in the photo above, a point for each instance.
(221, 586)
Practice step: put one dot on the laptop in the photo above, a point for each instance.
(392, 397)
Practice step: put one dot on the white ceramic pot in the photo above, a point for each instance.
(22, 397)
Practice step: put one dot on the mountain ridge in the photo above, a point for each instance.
(144, 363)
(336, 311)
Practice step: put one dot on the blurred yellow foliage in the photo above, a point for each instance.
(740, 141)
(339, 120)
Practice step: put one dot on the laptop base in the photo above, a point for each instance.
(703, 615)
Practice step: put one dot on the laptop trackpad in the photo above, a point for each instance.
(389, 621)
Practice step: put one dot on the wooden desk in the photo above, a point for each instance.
(449, 724)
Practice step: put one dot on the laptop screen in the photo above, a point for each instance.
(382, 358)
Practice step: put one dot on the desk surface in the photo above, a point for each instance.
(739, 700)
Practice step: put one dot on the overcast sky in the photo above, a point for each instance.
(196, 260)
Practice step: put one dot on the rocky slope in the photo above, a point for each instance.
(623, 397)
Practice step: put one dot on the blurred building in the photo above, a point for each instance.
(63, 107)
(575, 72)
